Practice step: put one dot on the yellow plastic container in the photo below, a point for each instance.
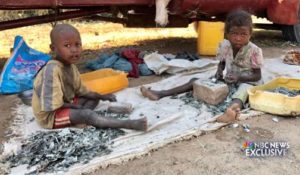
(210, 34)
(105, 81)
(276, 103)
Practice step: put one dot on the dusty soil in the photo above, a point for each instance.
(220, 153)
(7, 102)
(212, 153)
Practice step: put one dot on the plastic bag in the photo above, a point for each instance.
(20, 69)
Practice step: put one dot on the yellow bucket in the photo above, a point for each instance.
(276, 103)
(105, 81)
(210, 34)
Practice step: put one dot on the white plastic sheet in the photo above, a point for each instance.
(186, 120)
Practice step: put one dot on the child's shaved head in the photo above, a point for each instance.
(61, 29)
(65, 44)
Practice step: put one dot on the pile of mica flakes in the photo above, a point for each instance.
(188, 99)
(57, 150)
(285, 91)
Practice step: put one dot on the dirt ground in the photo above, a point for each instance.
(220, 152)
(212, 153)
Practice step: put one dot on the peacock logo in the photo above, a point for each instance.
(248, 145)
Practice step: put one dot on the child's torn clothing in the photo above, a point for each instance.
(248, 57)
(55, 84)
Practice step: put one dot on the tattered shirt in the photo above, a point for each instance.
(249, 57)
(55, 85)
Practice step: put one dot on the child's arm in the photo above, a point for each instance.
(243, 78)
(97, 96)
(255, 76)
(219, 73)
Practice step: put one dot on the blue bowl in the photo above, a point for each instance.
(26, 97)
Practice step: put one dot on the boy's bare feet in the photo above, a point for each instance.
(139, 124)
(147, 92)
(230, 115)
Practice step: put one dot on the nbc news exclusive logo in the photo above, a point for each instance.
(265, 149)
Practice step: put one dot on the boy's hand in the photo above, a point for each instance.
(231, 78)
(109, 97)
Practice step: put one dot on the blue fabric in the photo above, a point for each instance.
(123, 65)
(104, 61)
(144, 70)
(20, 69)
(110, 61)
(117, 62)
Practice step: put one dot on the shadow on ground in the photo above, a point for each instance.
(263, 38)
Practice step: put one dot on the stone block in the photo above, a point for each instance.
(210, 92)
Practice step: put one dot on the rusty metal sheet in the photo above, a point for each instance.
(285, 12)
(46, 18)
(26, 4)
(215, 7)
(43, 4)
(279, 11)
(104, 2)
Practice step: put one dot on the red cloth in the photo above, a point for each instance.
(62, 117)
(132, 55)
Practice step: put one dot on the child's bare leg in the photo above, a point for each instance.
(89, 117)
(156, 95)
(87, 103)
(232, 112)
(151, 94)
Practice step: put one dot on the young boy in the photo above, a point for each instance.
(59, 97)
(241, 58)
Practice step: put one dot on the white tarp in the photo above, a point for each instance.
(159, 64)
(187, 120)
